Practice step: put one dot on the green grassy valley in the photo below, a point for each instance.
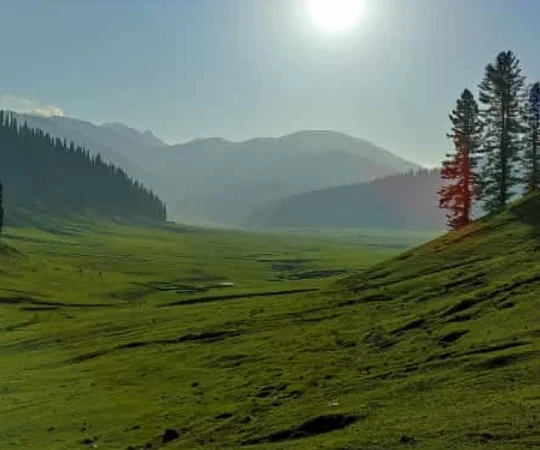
(110, 335)
(91, 313)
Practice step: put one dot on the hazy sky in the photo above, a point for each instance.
(244, 68)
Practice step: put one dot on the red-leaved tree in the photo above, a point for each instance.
(459, 188)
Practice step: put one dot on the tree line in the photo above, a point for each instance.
(42, 173)
(496, 143)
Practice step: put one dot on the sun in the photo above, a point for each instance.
(335, 15)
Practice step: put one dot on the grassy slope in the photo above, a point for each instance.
(439, 345)
(85, 290)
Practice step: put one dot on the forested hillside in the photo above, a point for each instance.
(404, 201)
(50, 175)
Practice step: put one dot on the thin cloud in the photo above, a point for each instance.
(29, 106)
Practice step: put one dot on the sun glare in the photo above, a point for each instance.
(335, 15)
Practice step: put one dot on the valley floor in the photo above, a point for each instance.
(110, 336)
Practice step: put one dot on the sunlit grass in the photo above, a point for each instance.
(437, 348)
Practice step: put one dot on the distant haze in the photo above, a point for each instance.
(246, 68)
(214, 180)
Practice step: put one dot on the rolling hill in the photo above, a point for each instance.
(219, 181)
(403, 201)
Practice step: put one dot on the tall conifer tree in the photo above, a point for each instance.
(458, 173)
(459, 189)
(501, 93)
(531, 156)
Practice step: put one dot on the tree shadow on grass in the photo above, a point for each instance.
(527, 211)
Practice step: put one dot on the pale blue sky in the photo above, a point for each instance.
(244, 68)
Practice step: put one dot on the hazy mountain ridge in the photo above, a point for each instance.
(404, 201)
(146, 137)
(222, 181)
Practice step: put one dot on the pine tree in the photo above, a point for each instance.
(501, 93)
(458, 172)
(459, 187)
(531, 157)
(467, 126)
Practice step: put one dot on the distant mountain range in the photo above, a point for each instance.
(218, 181)
(404, 201)
(222, 181)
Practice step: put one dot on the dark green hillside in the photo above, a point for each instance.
(403, 201)
(45, 175)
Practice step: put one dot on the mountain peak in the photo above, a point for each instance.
(146, 137)
(318, 133)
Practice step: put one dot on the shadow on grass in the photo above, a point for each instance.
(527, 211)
